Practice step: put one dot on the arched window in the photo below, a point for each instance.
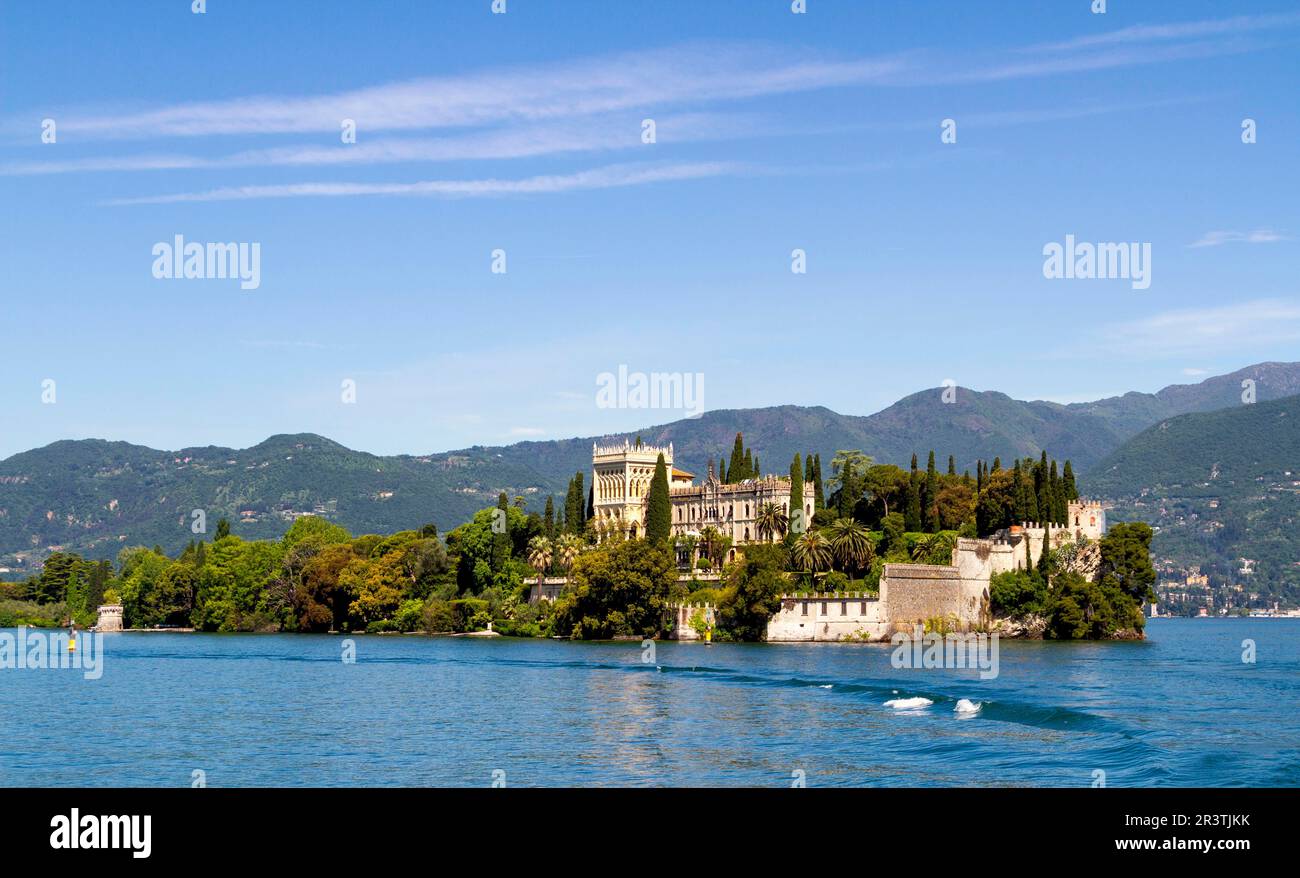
(746, 534)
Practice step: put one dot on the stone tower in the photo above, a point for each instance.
(620, 479)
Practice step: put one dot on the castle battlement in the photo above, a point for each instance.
(632, 451)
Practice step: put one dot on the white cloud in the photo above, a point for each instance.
(528, 141)
(1246, 327)
(1193, 372)
(1144, 33)
(647, 79)
(610, 176)
(1219, 238)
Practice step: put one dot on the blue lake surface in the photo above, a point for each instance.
(1181, 709)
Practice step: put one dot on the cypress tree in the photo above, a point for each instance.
(749, 467)
(501, 541)
(808, 469)
(819, 496)
(796, 486)
(1043, 559)
(912, 513)
(1043, 489)
(548, 519)
(952, 465)
(569, 513)
(573, 505)
(1071, 491)
(1058, 496)
(659, 509)
(737, 463)
(997, 465)
(931, 490)
(1018, 492)
(757, 471)
(722, 471)
(849, 492)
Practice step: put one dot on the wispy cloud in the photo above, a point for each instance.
(1147, 33)
(1245, 326)
(586, 105)
(602, 133)
(659, 78)
(1219, 238)
(607, 177)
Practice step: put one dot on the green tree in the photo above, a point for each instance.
(659, 508)
(811, 552)
(1126, 561)
(619, 589)
(753, 593)
(736, 467)
(850, 544)
(796, 489)
(1070, 489)
(929, 491)
(771, 521)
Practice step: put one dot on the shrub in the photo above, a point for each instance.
(437, 617)
(835, 581)
(1017, 594)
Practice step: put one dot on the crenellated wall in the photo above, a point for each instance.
(827, 617)
(110, 618)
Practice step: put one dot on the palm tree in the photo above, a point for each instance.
(714, 544)
(812, 552)
(771, 519)
(567, 548)
(928, 546)
(540, 554)
(850, 543)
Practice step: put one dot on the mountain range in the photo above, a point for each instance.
(95, 496)
(1222, 490)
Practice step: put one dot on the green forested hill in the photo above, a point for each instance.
(1220, 486)
(93, 496)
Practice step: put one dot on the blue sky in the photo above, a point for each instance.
(522, 132)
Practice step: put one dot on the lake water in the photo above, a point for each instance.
(1181, 708)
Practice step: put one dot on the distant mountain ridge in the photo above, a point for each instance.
(1219, 487)
(95, 496)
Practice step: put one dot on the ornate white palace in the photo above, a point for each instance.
(621, 477)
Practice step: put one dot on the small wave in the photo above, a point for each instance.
(965, 705)
(908, 703)
(826, 686)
